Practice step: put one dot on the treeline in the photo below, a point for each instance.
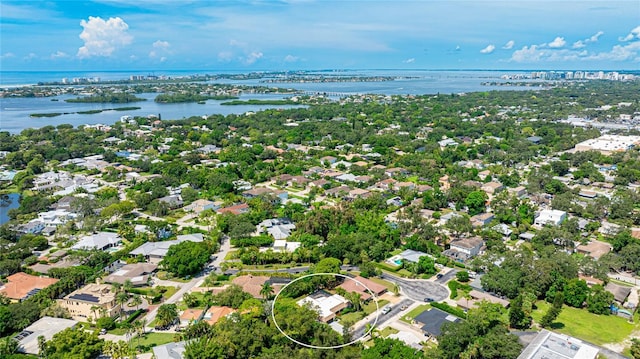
(109, 97)
(190, 97)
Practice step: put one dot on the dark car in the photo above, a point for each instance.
(440, 275)
(428, 300)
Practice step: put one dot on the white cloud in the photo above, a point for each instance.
(578, 44)
(634, 34)
(527, 54)
(161, 45)
(102, 38)
(225, 56)
(31, 56)
(7, 55)
(458, 48)
(159, 48)
(291, 58)
(595, 36)
(58, 54)
(630, 51)
(487, 50)
(558, 42)
(409, 61)
(163, 59)
(509, 45)
(253, 57)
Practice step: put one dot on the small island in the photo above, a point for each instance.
(190, 97)
(260, 102)
(107, 98)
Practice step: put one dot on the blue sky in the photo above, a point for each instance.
(306, 34)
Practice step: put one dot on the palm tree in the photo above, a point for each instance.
(122, 298)
(266, 290)
(136, 300)
(116, 287)
(127, 286)
(95, 308)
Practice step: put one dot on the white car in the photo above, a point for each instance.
(386, 310)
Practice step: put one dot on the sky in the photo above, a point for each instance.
(256, 35)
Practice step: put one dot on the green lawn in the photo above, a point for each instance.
(371, 306)
(154, 339)
(407, 318)
(366, 310)
(579, 323)
(388, 331)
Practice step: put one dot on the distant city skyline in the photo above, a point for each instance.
(244, 36)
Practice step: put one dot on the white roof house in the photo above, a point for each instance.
(155, 251)
(100, 240)
(553, 217)
(46, 327)
(326, 305)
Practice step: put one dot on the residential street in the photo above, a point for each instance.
(224, 249)
(419, 289)
(361, 326)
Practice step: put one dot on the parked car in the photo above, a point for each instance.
(428, 300)
(103, 331)
(386, 310)
(440, 275)
(404, 307)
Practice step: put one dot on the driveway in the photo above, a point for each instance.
(419, 289)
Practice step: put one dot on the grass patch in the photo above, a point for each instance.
(579, 323)
(407, 318)
(169, 292)
(388, 331)
(351, 317)
(154, 339)
(118, 331)
(371, 306)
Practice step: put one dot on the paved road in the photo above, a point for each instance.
(419, 289)
(224, 249)
(395, 309)
(447, 276)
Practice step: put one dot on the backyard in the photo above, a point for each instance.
(579, 323)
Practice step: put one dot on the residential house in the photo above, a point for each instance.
(32, 227)
(99, 241)
(482, 219)
(326, 304)
(552, 217)
(492, 187)
(519, 191)
(261, 191)
(154, 252)
(620, 292)
(235, 209)
(475, 297)
(464, 249)
(46, 327)
(595, 249)
(554, 345)
(173, 201)
(253, 284)
(432, 321)
(215, 313)
(91, 301)
(329, 159)
(170, 350)
(189, 316)
(358, 193)
(278, 228)
(137, 274)
(200, 205)
(408, 255)
(363, 286)
(20, 286)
